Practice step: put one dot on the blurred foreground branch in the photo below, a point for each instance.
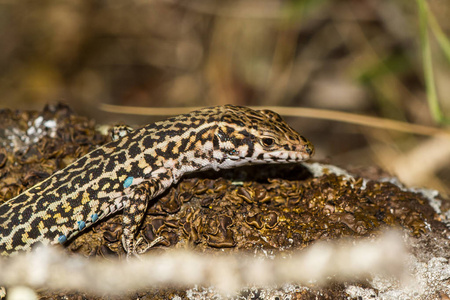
(324, 261)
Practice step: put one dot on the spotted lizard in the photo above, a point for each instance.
(127, 173)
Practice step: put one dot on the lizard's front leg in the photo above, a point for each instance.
(134, 210)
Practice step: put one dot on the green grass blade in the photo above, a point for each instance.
(442, 39)
(433, 101)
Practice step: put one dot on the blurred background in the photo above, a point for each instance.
(361, 56)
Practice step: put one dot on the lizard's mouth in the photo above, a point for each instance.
(276, 156)
(287, 156)
(296, 153)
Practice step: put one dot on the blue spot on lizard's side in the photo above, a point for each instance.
(128, 182)
(62, 238)
(81, 225)
(94, 217)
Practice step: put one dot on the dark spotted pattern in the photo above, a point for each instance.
(138, 166)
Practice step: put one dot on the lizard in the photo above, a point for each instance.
(127, 173)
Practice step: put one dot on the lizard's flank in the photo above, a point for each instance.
(130, 171)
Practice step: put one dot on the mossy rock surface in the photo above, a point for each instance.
(270, 208)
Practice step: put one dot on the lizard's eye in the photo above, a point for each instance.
(268, 142)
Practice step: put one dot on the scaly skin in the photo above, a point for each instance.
(127, 173)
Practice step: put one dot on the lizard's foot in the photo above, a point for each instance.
(140, 246)
(151, 244)
(119, 131)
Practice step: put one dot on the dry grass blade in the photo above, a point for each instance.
(331, 115)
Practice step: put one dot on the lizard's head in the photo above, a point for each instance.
(256, 136)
